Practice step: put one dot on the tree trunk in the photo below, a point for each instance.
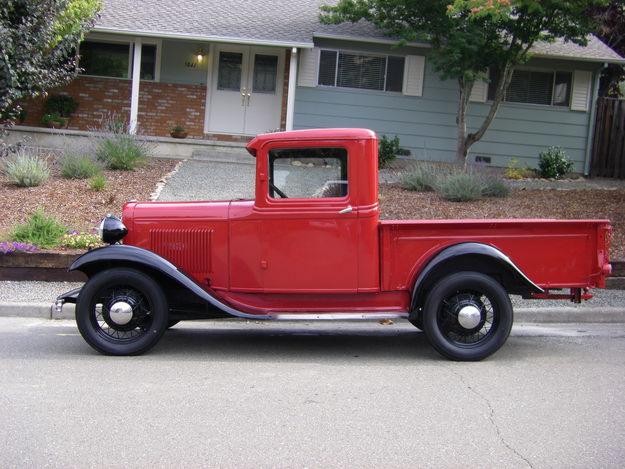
(462, 149)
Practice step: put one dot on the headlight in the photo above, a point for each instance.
(112, 230)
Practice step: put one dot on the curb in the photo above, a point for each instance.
(521, 315)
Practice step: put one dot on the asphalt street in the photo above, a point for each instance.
(244, 394)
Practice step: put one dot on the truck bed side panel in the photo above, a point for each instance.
(552, 253)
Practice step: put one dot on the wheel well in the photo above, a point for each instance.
(502, 272)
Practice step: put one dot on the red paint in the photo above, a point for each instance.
(301, 255)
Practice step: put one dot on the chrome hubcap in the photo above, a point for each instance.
(469, 317)
(121, 313)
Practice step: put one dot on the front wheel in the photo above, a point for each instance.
(467, 316)
(122, 311)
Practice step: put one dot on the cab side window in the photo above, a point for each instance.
(308, 173)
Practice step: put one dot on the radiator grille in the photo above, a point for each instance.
(188, 249)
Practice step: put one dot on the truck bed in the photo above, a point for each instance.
(552, 253)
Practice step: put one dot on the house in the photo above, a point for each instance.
(230, 70)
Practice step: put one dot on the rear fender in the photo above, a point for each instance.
(476, 257)
(119, 255)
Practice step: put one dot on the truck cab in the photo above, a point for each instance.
(311, 246)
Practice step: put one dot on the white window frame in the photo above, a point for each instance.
(553, 86)
(101, 38)
(357, 52)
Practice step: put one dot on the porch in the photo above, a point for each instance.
(214, 90)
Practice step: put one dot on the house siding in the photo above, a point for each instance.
(426, 124)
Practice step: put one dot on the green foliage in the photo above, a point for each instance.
(121, 151)
(514, 171)
(388, 149)
(423, 177)
(494, 187)
(177, 128)
(38, 41)
(97, 183)
(26, 170)
(553, 163)
(40, 230)
(61, 105)
(75, 240)
(461, 187)
(78, 167)
(54, 119)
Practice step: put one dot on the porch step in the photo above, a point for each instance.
(223, 155)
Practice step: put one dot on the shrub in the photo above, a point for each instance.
(494, 187)
(421, 178)
(122, 151)
(461, 187)
(76, 240)
(97, 183)
(554, 163)
(388, 149)
(40, 230)
(26, 170)
(78, 167)
(60, 104)
(514, 171)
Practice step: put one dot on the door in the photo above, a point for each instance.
(246, 94)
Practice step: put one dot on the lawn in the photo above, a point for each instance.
(397, 203)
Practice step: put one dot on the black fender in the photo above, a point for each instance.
(119, 255)
(475, 257)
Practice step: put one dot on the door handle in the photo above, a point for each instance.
(347, 209)
(243, 91)
(249, 96)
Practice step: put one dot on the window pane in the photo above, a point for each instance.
(493, 82)
(361, 71)
(229, 71)
(265, 72)
(327, 68)
(562, 89)
(105, 60)
(528, 86)
(148, 62)
(308, 173)
(395, 74)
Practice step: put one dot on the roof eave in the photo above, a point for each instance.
(199, 37)
(601, 60)
(381, 40)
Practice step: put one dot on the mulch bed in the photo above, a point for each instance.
(73, 202)
(397, 203)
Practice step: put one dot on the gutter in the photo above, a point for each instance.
(197, 37)
(592, 118)
(370, 40)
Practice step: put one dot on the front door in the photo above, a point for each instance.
(246, 90)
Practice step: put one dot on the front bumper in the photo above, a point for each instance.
(67, 297)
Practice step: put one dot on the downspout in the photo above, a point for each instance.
(591, 123)
(290, 97)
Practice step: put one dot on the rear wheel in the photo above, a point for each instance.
(122, 311)
(467, 316)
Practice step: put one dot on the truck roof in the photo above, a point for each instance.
(310, 134)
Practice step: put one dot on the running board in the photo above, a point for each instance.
(334, 316)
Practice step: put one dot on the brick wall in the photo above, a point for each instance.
(161, 105)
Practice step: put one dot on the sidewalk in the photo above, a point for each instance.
(33, 299)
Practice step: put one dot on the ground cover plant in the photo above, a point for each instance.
(41, 230)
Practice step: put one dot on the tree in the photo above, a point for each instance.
(470, 36)
(611, 30)
(38, 44)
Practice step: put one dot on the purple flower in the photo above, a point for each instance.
(7, 247)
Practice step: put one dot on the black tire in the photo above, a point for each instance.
(172, 323)
(147, 303)
(443, 327)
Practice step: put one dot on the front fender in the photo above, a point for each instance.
(472, 256)
(119, 255)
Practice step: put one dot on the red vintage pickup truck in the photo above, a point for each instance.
(311, 246)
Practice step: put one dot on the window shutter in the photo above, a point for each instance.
(479, 91)
(582, 81)
(413, 75)
(308, 67)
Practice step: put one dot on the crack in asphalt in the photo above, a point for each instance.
(491, 417)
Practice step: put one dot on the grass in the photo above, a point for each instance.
(122, 151)
(41, 230)
(97, 183)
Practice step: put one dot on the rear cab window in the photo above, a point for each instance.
(308, 173)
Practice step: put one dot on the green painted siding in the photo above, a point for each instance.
(426, 124)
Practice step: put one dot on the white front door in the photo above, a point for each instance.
(246, 90)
